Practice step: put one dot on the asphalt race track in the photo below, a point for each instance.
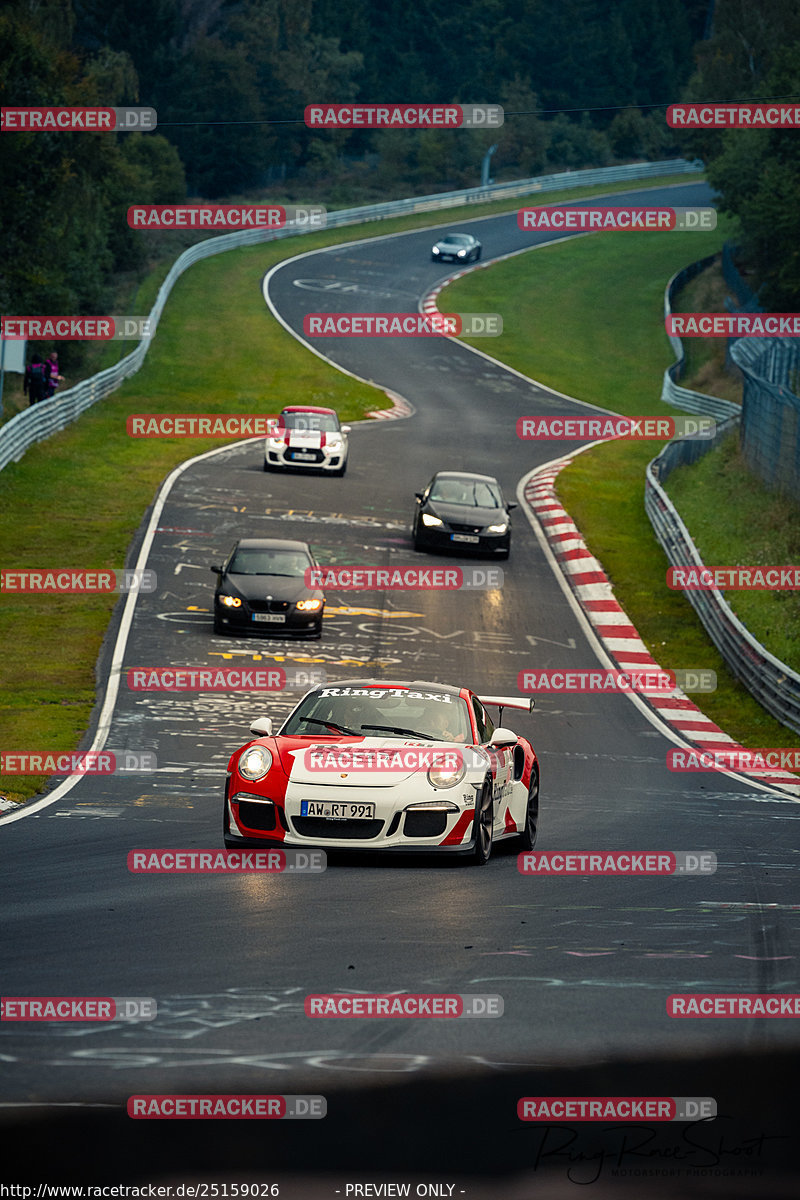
(584, 965)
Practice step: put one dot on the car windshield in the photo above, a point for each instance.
(308, 422)
(269, 562)
(382, 711)
(473, 492)
(457, 239)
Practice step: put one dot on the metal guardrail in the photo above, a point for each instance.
(770, 370)
(49, 416)
(671, 392)
(774, 684)
(771, 410)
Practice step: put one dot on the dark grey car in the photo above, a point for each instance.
(462, 511)
(457, 247)
(262, 588)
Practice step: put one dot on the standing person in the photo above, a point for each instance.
(53, 377)
(34, 383)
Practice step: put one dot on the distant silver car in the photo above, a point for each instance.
(457, 247)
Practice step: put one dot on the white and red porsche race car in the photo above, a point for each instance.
(366, 764)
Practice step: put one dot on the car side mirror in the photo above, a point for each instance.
(346, 428)
(501, 738)
(262, 727)
(511, 506)
(216, 570)
(419, 495)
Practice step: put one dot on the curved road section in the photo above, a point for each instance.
(584, 964)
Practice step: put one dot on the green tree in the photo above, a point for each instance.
(522, 141)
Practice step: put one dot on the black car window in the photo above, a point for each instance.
(486, 496)
(269, 562)
(430, 715)
(472, 492)
(310, 422)
(485, 724)
(450, 491)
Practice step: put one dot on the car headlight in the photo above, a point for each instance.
(254, 762)
(462, 254)
(334, 443)
(447, 773)
(230, 601)
(429, 519)
(497, 528)
(309, 605)
(436, 250)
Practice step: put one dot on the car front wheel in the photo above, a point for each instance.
(531, 828)
(482, 827)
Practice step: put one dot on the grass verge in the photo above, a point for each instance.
(734, 519)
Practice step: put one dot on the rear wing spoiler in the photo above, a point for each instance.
(524, 702)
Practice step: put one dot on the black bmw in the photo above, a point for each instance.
(261, 588)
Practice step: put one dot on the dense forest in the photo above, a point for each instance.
(583, 83)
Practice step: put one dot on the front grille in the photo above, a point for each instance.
(254, 815)
(464, 528)
(425, 823)
(269, 606)
(322, 827)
